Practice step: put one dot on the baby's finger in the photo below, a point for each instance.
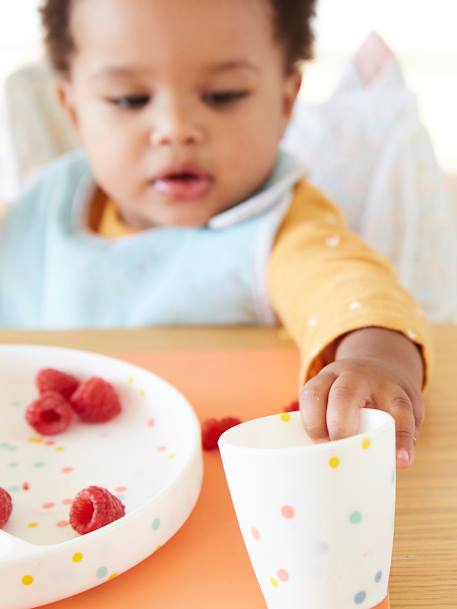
(313, 405)
(397, 402)
(348, 394)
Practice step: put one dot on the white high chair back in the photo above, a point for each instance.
(38, 129)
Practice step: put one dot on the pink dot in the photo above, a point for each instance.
(161, 449)
(283, 575)
(67, 470)
(49, 442)
(62, 523)
(48, 506)
(120, 489)
(287, 511)
(255, 533)
(67, 501)
(151, 423)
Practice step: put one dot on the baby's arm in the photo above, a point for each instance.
(369, 367)
(352, 321)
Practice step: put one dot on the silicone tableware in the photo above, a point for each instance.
(317, 519)
(149, 456)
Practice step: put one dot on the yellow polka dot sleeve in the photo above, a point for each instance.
(324, 281)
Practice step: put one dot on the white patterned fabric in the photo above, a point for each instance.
(37, 128)
(368, 151)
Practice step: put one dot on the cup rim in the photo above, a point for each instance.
(386, 420)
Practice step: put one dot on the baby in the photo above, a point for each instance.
(180, 207)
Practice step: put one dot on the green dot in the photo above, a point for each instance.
(13, 489)
(102, 572)
(156, 524)
(39, 464)
(13, 464)
(355, 517)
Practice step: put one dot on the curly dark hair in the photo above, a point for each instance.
(292, 20)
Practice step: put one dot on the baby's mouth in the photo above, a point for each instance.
(183, 185)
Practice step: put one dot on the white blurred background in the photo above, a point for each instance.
(422, 33)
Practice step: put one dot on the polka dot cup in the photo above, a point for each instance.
(317, 519)
(149, 456)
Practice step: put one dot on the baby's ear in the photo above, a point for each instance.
(65, 95)
(292, 84)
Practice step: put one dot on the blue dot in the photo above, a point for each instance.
(102, 572)
(355, 517)
(378, 577)
(322, 547)
(359, 598)
(156, 524)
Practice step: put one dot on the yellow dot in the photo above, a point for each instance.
(27, 580)
(334, 462)
(157, 547)
(77, 557)
(142, 393)
(59, 449)
(172, 456)
(366, 443)
(32, 525)
(113, 575)
(274, 582)
(130, 379)
(35, 440)
(285, 417)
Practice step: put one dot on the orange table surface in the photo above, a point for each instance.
(205, 565)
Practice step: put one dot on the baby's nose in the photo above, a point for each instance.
(176, 128)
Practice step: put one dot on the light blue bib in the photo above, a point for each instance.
(55, 273)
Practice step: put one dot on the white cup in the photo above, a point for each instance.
(317, 519)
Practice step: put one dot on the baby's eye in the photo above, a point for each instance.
(129, 102)
(221, 98)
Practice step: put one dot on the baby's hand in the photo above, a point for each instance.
(330, 402)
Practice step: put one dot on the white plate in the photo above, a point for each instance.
(150, 456)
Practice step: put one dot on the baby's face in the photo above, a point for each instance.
(180, 104)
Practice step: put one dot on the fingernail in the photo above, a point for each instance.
(403, 457)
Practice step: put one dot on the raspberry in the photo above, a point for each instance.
(292, 406)
(210, 434)
(228, 422)
(50, 379)
(93, 508)
(95, 401)
(6, 507)
(50, 414)
(212, 429)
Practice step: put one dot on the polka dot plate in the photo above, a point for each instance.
(149, 456)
